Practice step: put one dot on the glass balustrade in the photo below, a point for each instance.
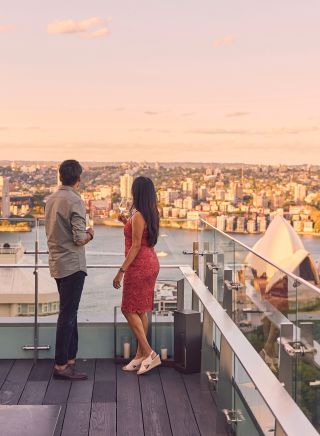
(276, 310)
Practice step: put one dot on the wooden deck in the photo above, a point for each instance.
(112, 402)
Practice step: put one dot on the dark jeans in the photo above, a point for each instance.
(70, 290)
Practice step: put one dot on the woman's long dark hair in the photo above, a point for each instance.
(145, 201)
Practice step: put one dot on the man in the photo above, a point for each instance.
(67, 235)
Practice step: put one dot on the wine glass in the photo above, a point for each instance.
(89, 221)
(124, 208)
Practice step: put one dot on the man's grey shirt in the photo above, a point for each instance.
(65, 225)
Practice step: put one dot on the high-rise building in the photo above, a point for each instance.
(300, 192)
(202, 192)
(251, 226)
(221, 222)
(230, 224)
(5, 192)
(125, 185)
(241, 224)
(188, 186)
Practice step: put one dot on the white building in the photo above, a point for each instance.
(125, 185)
(5, 194)
(241, 222)
(188, 203)
(221, 222)
(230, 224)
(17, 286)
(188, 186)
(300, 192)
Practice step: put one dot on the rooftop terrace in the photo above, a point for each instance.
(111, 401)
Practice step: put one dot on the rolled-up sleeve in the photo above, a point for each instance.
(78, 222)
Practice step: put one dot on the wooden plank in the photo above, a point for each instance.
(57, 392)
(209, 418)
(103, 419)
(105, 370)
(42, 370)
(34, 392)
(5, 366)
(81, 390)
(16, 379)
(181, 415)
(76, 420)
(60, 420)
(154, 409)
(129, 413)
(104, 390)
(36, 386)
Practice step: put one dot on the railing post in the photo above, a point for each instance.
(225, 387)
(285, 360)
(208, 274)
(207, 351)
(195, 267)
(36, 294)
(180, 294)
(227, 299)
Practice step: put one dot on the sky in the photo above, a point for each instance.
(160, 80)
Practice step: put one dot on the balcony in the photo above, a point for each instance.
(243, 388)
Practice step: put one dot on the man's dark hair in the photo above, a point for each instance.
(70, 172)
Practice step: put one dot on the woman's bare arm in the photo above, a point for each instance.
(138, 225)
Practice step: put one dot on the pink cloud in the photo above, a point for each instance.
(226, 40)
(93, 27)
(100, 33)
(6, 27)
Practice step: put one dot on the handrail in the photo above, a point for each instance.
(98, 266)
(293, 276)
(284, 409)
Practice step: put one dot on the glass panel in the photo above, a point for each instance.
(255, 412)
(308, 364)
(16, 284)
(264, 300)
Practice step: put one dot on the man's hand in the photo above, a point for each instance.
(90, 231)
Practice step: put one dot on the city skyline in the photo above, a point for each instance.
(231, 82)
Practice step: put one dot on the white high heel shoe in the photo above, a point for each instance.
(133, 365)
(149, 363)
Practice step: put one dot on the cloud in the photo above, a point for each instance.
(276, 131)
(6, 27)
(237, 114)
(151, 113)
(97, 33)
(226, 40)
(90, 28)
(149, 130)
(187, 114)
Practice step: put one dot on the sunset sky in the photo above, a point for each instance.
(166, 80)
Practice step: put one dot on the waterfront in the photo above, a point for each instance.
(108, 247)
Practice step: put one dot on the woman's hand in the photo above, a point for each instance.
(117, 280)
(122, 218)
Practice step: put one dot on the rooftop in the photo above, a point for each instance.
(113, 402)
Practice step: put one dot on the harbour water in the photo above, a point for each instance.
(99, 297)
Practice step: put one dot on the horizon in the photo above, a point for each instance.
(212, 163)
(160, 82)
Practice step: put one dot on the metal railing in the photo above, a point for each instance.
(289, 419)
(223, 346)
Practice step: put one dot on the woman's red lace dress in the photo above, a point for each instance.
(140, 277)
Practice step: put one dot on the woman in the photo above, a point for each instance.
(140, 270)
